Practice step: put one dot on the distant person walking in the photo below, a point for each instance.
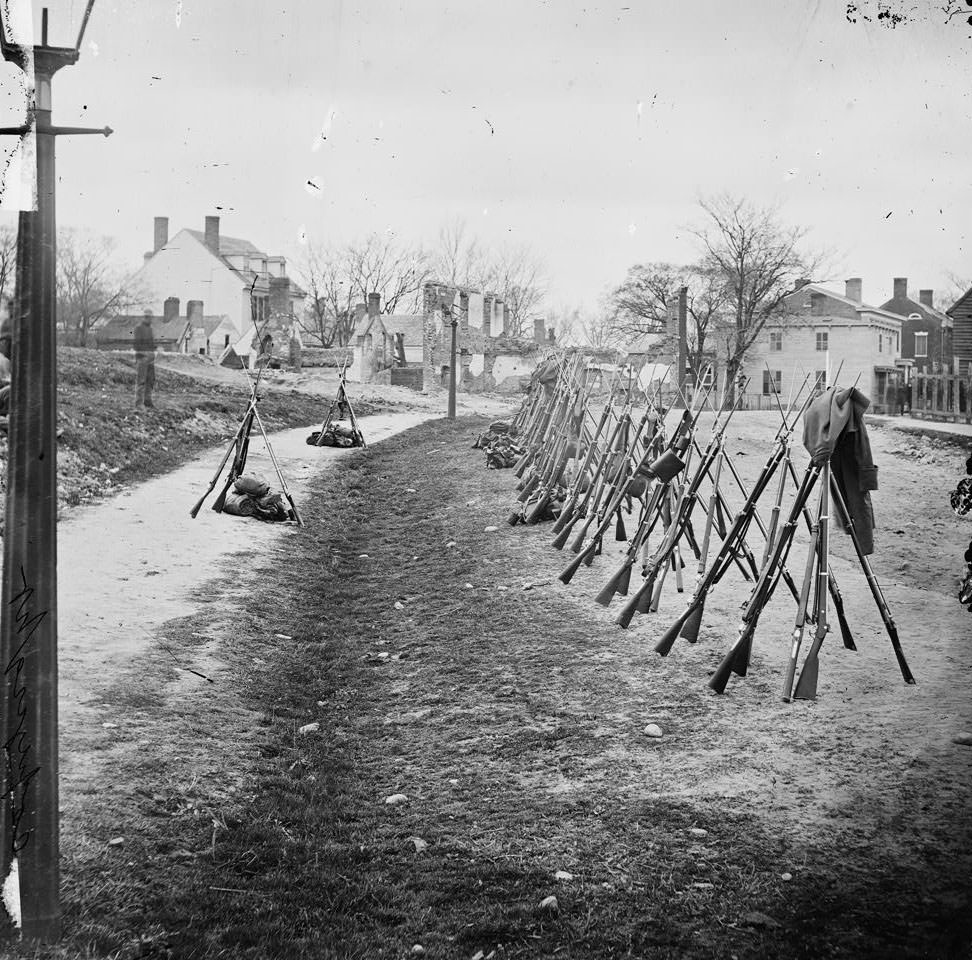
(144, 361)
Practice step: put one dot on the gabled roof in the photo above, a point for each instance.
(905, 306)
(966, 297)
(229, 246)
(365, 322)
(840, 298)
(412, 325)
(212, 323)
(123, 328)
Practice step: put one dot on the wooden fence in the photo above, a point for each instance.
(942, 396)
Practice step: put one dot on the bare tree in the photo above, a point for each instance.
(756, 260)
(381, 264)
(8, 261)
(644, 304)
(519, 280)
(460, 260)
(515, 274)
(339, 278)
(329, 313)
(91, 286)
(958, 285)
(640, 304)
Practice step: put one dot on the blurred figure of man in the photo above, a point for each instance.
(5, 376)
(144, 361)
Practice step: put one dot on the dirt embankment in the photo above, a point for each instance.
(105, 442)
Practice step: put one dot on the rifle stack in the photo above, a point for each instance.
(607, 462)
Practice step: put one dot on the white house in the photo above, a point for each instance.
(822, 332)
(233, 277)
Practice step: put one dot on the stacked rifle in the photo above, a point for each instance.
(666, 495)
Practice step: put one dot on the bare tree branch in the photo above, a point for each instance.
(90, 285)
(757, 260)
(338, 278)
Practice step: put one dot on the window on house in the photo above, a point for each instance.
(921, 345)
(820, 382)
(823, 339)
(777, 379)
(880, 343)
(776, 340)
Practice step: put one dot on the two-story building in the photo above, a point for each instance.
(233, 277)
(821, 331)
(926, 333)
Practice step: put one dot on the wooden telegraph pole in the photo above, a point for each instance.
(28, 622)
(682, 359)
(454, 323)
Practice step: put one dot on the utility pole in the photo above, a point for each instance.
(682, 337)
(29, 820)
(454, 323)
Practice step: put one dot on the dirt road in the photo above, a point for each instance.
(133, 562)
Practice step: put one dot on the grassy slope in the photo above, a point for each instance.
(491, 710)
(106, 441)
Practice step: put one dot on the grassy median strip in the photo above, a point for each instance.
(400, 732)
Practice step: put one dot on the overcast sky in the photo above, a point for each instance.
(587, 130)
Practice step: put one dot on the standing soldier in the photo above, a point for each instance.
(144, 361)
(5, 354)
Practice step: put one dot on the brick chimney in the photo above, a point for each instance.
(280, 296)
(161, 233)
(489, 326)
(539, 331)
(800, 284)
(374, 305)
(506, 318)
(900, 288)
(194, 312)
(212, 234)
(853, 291)
(925, 298)
(170, 309)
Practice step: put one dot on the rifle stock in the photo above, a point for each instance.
(620, 534)
(565, 515)
(607, 592)
(838, 601)
(727, 666)
(806, 688)
(641, 596)
(690, 631)
(667, 639)
(567, 574)
(625, 581)
(212, 483)
(558, 542)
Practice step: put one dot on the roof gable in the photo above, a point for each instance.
(964, 301)
(840, 298)
(412, 325)
(229, 246)
(123, 328)
(905, 306)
